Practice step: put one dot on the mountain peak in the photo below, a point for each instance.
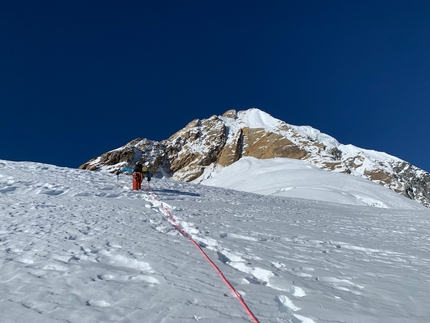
(256, 118)
(195, 152)
(253, 118)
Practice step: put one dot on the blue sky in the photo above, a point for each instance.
(79, 78)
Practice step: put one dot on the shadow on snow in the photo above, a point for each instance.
(176, 192)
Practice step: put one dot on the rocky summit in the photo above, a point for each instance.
(196, 151)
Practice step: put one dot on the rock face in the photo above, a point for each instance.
(192, 153)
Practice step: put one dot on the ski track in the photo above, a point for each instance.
(89, 249)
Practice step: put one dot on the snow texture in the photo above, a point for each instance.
(78, 246)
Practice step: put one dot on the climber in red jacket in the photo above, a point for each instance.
(137, 176)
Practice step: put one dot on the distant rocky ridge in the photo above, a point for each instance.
(194, 152)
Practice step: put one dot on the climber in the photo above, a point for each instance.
(139, 172)
(137, 176)
(147, 173)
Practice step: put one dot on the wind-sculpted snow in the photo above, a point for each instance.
(78, 246)
(295, 178)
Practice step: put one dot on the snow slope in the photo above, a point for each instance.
(76, 246)
(296, 178)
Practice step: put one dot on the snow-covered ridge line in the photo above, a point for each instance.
(255, 118)
(316, 135)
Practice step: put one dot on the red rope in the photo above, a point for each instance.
(175, 223)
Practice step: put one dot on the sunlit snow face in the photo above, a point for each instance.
(295, 178)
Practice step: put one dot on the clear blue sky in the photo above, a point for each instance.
(79, 78)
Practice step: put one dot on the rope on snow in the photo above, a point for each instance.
(186, 235)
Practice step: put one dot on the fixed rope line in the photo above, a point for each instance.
(177, 226)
